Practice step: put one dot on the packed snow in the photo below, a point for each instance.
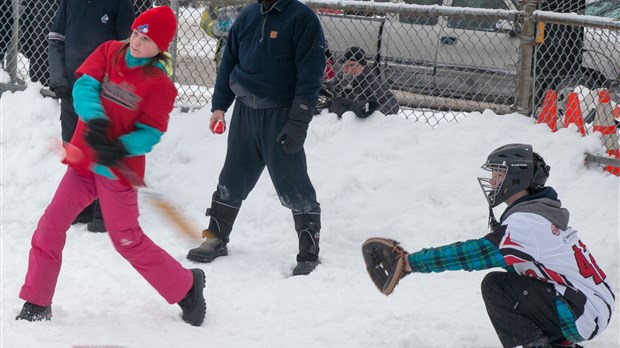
(381, 176)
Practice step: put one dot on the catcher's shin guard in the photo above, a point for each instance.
(223, 217)
(308, 227)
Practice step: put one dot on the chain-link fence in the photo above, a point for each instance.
(575, 54)
(24, 29)
(449, 55)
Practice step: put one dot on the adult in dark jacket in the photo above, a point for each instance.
(34, 26)
(357, 89)
(79, 28)
(273, 64)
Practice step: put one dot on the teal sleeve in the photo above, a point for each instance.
(141, 140)
(471, 255)
(86, 100)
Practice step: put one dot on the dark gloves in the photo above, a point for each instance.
(109, 152)
(362, 108)
(293, 135)
(62, 92)
(340, 105)
(96, 133)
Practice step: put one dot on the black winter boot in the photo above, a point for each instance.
(308, 227)
(97, 224)
(564, 343)
(193, 304)
(223, 217)
(33, 312)
(86, 215)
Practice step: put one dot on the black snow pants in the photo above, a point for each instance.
(252, 146)
(522, 309)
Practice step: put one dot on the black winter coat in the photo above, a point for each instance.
(79, 28)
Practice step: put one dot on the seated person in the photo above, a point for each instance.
(357, 89)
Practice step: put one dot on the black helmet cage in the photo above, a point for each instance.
(490, 192)
(524, 170)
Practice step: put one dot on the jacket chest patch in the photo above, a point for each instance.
(122, 93)
(273, 34)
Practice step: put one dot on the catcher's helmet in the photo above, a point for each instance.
(522, 169)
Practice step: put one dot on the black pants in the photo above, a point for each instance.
(252, 146)
(522, 309)
(68, 118)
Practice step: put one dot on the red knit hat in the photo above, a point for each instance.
(159, 24)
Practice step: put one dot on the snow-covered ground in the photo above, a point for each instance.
(382, 176)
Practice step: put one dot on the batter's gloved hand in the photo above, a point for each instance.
(385, 262)
(109, 152)
(97, 131)
(293, 135)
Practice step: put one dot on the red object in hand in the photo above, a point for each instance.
(218, 127)
(73, 154)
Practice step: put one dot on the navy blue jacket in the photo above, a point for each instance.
(79, 28)
(277, 55)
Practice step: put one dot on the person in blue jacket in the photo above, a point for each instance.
(79, 27)
(273, 65)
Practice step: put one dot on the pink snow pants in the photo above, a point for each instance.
(119, 206)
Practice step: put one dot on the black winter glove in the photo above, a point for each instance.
(364, 108)
(340, 105)
(62, 92)
(97, 130)
(109, 152)
(293, 135)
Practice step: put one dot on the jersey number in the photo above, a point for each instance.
(587, 265)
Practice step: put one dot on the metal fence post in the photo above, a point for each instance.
(524, 75)
(174, 4)
(11, 57)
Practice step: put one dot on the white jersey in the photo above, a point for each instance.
(537, 248)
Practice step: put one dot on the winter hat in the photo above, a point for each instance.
(355, 54)
(159, 24)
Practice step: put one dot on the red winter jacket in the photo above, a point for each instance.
(132, 98)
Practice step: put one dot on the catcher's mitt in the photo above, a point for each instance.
(385, 262)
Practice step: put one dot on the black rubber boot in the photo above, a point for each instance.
(308, 227)
(193, 304)
(223, 217)
(33, 312)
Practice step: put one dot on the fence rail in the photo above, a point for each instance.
(450, 55)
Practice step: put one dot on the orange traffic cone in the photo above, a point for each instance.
(573, 112)
(549, 112)
(604, 123)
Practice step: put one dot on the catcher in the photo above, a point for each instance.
(554, 293)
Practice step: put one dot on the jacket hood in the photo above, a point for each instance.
(544, 203)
